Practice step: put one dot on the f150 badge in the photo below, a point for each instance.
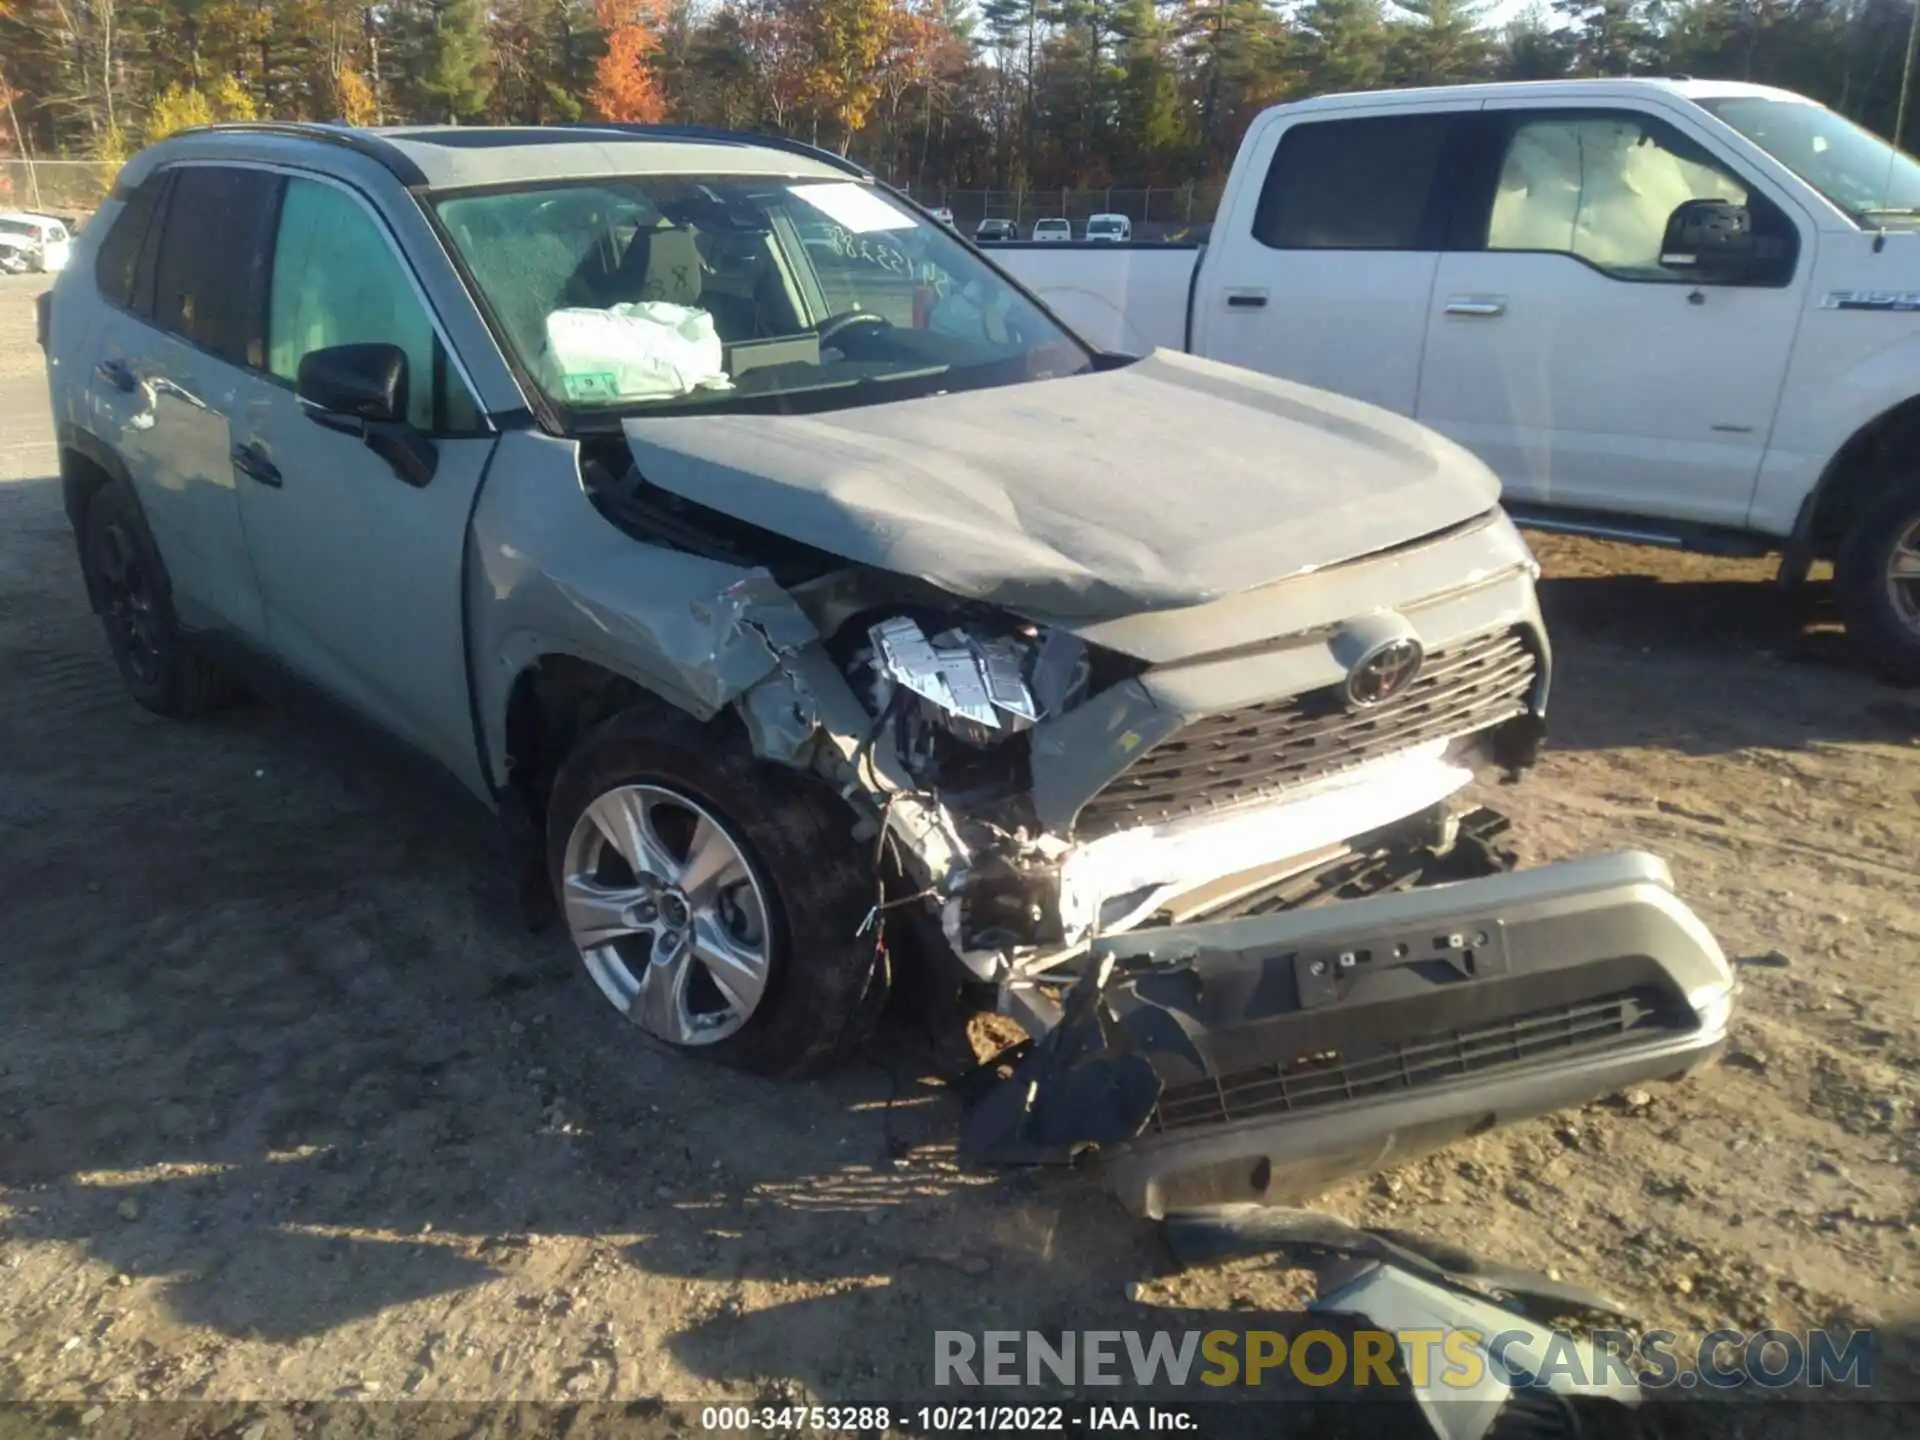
(1870, 300)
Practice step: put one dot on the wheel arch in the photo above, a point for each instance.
(1880, 446)
(87, 466)
(554, 699)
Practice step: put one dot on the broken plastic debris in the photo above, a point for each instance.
(951, 679)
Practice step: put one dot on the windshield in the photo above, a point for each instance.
(1852, 167)
(1103, 227)
(717, 292)
(19, 227)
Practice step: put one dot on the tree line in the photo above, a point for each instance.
(970, 94)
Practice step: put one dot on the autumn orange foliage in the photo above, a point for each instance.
(625, 87)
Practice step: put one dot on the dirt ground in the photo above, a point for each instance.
(290, 1107)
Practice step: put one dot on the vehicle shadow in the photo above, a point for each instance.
(1709, 666)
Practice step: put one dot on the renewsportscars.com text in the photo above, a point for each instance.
(1455, 1358)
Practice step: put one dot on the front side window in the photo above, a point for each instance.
(1362, 184)
(336, 281)
(1854, 168)
(212, 259)
(731, 291)
(1601, 187)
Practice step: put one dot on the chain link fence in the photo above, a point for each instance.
(1161, 212)
(70, 189)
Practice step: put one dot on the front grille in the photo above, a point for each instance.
(1223, 760)
(1333, 1078)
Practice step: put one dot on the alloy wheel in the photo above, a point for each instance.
(668, 912)
(1903, 576)
(131, 608)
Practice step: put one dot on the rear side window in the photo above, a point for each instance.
(118, 259)
(1362, 184)
(209, 282)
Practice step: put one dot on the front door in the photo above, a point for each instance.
(361, 571)
(1562, 351)
(1321, 269)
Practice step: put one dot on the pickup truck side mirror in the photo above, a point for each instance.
(362, 390)
(1710, 240)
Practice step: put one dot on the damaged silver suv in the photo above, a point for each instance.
(813, 603)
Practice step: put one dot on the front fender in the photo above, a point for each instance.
(547, 574)
(1823, 407)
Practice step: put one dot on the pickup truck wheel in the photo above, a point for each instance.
(713, 897)
(131, 593)
(1878, 581)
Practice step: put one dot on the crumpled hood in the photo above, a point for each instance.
(1167, 483)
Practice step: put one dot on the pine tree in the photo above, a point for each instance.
(453, 74)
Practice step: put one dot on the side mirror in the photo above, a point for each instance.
(1710, 240)
(358, 382)
(362, 390)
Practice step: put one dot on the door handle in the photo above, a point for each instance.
(118, 374)
(251, 461)
(1468, 305)
(1246, 299)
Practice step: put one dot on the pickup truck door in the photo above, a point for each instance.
(1318, 269)
(1560, 349)
(362, 571)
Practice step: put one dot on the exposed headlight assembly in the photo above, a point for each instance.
(972, 680)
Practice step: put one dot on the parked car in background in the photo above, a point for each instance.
(943, 215)
(1114, 228)
(1678, 312)
(1052, 230)
(996, 230)
(811, 610)
(37, 242)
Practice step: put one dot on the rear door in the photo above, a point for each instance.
(362, 572)
(168, 370)
(1587, 374)
(1322, 267)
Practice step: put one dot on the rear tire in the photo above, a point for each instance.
(1877, 580)
(795, 890)
(133, 597)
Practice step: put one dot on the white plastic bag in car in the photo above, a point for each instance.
(635, 352)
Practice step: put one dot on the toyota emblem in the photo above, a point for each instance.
(1383, 672)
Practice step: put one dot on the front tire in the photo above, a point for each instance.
(132, 595)
(1878, 583)
(713, 897)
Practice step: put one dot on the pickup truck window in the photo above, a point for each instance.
(1361, 184)
(1855, 169)
(336, 281)
(1601, 187)
(724, 291)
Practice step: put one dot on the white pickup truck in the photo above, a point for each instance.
(1678, 312)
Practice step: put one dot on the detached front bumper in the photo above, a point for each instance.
(1266, 1059)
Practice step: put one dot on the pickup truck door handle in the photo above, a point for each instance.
(1476, 305)
(118, 374)
(1246, 299)
(250, 460)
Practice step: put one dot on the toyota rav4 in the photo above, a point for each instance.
(814, 603)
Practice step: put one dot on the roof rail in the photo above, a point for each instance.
(716, 135)
(361, 142)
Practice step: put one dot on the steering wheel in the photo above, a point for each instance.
(834, 324)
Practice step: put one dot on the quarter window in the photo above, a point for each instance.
(118, 260)
(212, 261)
(1602, 187)
(1362, 184)
(337, 281)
